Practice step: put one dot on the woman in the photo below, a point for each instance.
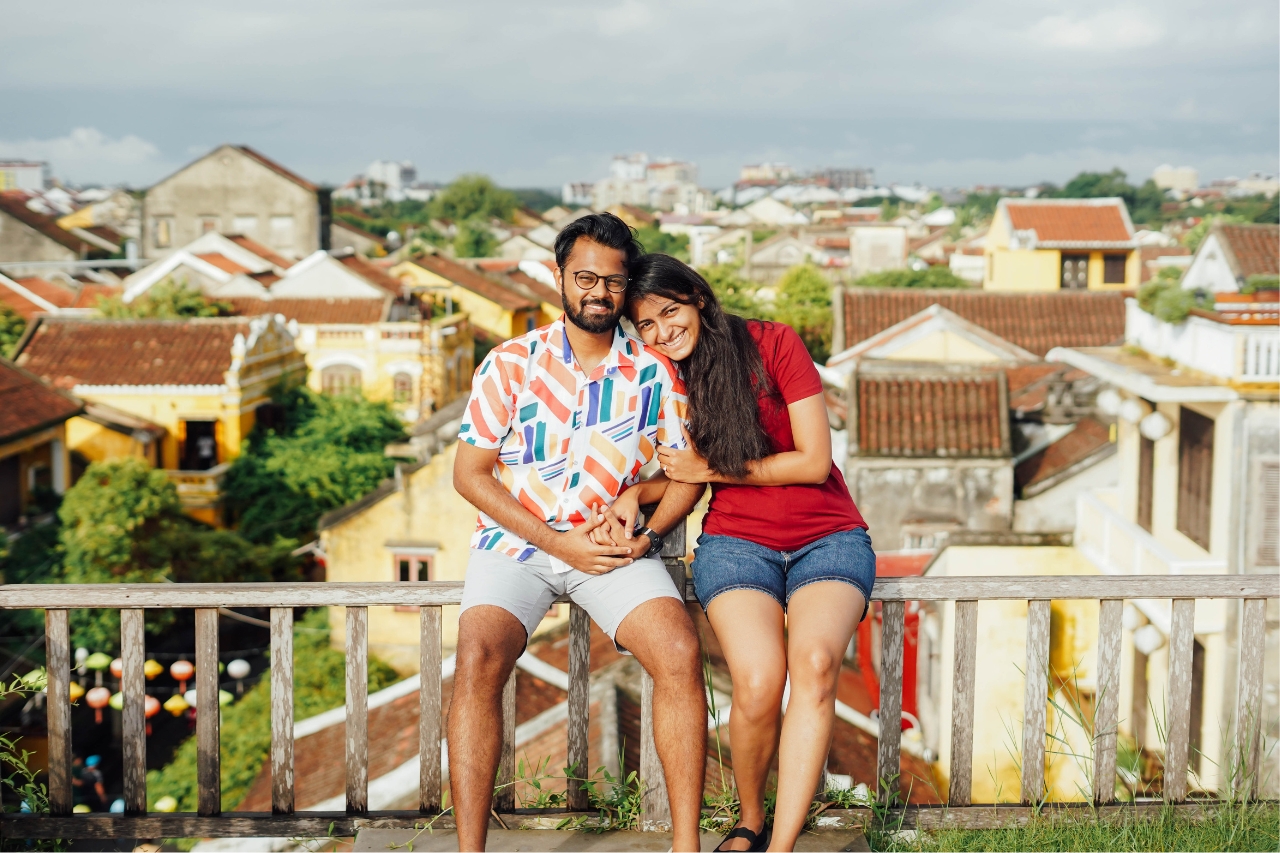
(784, 566)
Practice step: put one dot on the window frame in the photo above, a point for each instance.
(1109, 263)
(1195, 476)
(418, 559)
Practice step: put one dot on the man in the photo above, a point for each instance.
(560, 421)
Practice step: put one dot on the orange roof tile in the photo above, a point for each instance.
(1064, 222)
(926, 412)
(260, 250)
(1255, 248)
(316, 311)
(1087, 439)
(371, 273)
(28, 404)
(222, 262)
(474, 281)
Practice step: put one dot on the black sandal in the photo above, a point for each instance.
(758, 840)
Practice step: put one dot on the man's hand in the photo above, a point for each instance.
(579, 547)
(685, 466)
(616, 531)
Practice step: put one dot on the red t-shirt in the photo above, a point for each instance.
(784, 518)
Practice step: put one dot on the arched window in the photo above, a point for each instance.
(340, 379)
(402, 388)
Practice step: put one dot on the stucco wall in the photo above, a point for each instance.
(1054, 510)
(21, 242)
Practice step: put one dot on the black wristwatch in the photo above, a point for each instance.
(655, 541)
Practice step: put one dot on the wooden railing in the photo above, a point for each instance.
(357, 598)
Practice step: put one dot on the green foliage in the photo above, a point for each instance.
(18, 778)
(1221, 827)
(165, 300)
(319, 679)
(537, 200)
(930, 277)
(653, 240)
(1270, 213)
(328, 453)
(1168, 301)
(804, 303)
(11, 328)
(1256, 283)
(759, 235)
(1143, 201)
(736, 294)
(1193, 237)
(122, 523)
(473, 195)
(475, 239)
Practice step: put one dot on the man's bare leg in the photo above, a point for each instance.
(662, 637)
(489, 641)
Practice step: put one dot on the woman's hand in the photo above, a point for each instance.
(685, 466)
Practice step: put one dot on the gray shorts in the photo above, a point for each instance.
(527, 590)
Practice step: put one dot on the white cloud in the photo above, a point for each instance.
(1118, 29)
(86, 154)
(623, 19)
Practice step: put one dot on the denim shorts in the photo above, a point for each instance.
(724, 563)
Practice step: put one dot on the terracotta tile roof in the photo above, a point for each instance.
(223, 263)
(27, 404)
(1089, 438)
(276, 167)
(545, 292)
(50, 291)
(1255, 249)
(371, 273)
(19, 304)
(14, 203)
(476, 282)
(260, 250)
(1037, 322)
(1057, 221)
(1147, 254)
(70, 351)
(929, 412)
(316, 311)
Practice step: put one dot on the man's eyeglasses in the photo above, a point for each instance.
(586, 279)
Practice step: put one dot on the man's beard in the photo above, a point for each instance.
(594, 323)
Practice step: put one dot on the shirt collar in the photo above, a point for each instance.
(622, 351)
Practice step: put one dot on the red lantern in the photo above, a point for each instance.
(98, 698)
(150, 707)
(117, 668)
(181, 671)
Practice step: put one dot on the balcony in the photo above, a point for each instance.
(199, 491)
(1226, 350)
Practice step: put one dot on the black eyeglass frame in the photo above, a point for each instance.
(596, 277)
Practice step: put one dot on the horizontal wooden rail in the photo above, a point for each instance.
(428, 593)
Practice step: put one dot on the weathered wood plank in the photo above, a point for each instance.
(579, 700)
(960, 791)
(1037, 698)
(429, 700)
(424, 593)
(504, 798)
(1181, 647)
(133, 724)
(357, 710)
(282, 798)
(1106, 715)
(57, 646)
(208, 722)
(889, 752)
(655, 807)
(1253, 644)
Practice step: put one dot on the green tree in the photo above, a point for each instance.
(804, 303)
(653, 240)
(11, 328)
(735, 293)
(1194, 236)
(165, 300)
(473, 195)
(931, 277)
(1270, 213)
(329, 452)
(475, 239)
(1144, 202)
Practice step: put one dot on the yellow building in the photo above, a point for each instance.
(499, 309)
(1061, 244)
(33, 443)
(413, 527)
(203, 381)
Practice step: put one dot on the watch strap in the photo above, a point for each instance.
(655, 541)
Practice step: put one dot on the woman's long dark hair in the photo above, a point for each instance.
(723, 374)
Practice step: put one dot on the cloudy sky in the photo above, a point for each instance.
(534, 94)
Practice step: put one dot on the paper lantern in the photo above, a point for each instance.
(98, 698)
(176, 705)
(82, 655)
(166, 804)
(181, 671)
(117, 668)
(239, 670)
(1148, 639)
(1108, 401)
(98, 661)
(152, 668)
(190, 698)
(81, 808)
(225, 698)
(150, 707)
(1133, 410)
(75, 691)
(1155, 426)
(117, 701)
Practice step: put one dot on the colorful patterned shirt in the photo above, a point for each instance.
(568, 440)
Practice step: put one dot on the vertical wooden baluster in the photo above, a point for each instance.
(133, 725)
(579, 703)
(1037, 697)
(655, 808)
(429, 782)
(962, 699)
(1181, 642)
(282, 801)
(889, 753)
(58, 708)
(504, 801)
(1106, 716)
(1253, 640)
(208, 723)
(357, 710)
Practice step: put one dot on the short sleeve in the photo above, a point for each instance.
(789, 364)
(487, 419)
(673, 412)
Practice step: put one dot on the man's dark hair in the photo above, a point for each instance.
(603, 228)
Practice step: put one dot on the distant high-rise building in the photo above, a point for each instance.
(844, 179)
(765, 173)
(1181, 178)
(395, 176)
(629, 167)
